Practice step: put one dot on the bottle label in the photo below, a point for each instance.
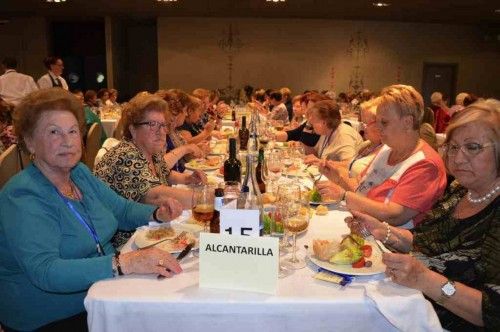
(218, 203)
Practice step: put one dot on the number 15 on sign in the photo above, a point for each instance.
(240, 222)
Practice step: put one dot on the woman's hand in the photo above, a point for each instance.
(361, 220)
(169, 209)
(195, 150)
(311, 160)
(151, 260)
(405, 270)
(197, 177)
(209, 127)
(330, 190)
(204, 147)
(330, 169)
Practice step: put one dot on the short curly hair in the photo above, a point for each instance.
(36, 104)
(328, 111)
(174, 105)
(405, 100)
(136, 109)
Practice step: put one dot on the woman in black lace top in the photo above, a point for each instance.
(455, 252)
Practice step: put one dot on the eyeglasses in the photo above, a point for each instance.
(468, 149)
(153, 125)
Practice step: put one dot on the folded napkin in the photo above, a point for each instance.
(405, 308)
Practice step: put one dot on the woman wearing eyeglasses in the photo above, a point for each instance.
(407, 176)
(455, 251)
(135, 168)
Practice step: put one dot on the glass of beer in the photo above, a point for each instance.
(203, 205)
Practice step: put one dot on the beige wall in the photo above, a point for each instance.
(301, 53)
(27, 40)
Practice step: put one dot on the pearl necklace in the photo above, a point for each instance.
(483, 198)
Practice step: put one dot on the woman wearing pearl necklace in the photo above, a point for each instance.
(455, 251)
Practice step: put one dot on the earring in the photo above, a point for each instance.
(32, 156)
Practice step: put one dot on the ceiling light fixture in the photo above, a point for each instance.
(166, 0)
(275, 0)
(381, 4)
(56, 1)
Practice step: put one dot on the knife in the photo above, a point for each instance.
(183, 254)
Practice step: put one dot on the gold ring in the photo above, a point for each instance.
(160, 262)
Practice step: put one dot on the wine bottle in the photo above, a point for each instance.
(258, 172)
(250, 192)
(215, 222)
(233, 115)
(244, 134)
(232, 166)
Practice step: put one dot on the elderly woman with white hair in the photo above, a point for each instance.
(459, 103)
(391, 187)
(455, 251)
(441, 116)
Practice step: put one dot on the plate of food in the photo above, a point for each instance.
(219, 149)
(176, 238)
(302, 171)
(227, 132)
(209, 163)
(351, 255)
(316, 199)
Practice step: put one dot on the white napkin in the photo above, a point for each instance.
(405, 308)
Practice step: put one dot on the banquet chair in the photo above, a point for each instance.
(118, 132)
(9, 164)
(92, 145)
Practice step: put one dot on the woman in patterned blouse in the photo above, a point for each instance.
(135, 168)
(456, 249)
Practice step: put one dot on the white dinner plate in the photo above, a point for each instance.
(199, 164)
(141, 240)
(376, 259)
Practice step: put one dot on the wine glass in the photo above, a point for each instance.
(296, 220)
(203, 205)
(287, 159)
(275, 165)
(287, 195)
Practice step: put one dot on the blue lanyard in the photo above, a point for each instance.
(88, 227)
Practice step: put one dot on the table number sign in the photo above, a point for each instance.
(239, 262)
(240, 222)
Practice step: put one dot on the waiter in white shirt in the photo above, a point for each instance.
(53, 78)
(13, 85)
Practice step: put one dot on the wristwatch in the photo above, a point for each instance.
(447, 290)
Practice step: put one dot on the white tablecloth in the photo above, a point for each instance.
(143, 303)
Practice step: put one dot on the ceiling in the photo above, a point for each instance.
(478, 12)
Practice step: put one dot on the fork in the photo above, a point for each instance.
(181, 234)
(315, 180)
(367, 235)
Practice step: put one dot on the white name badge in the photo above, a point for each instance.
(240, 222)
(239, 262)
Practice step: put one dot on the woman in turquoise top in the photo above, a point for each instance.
(56, 222)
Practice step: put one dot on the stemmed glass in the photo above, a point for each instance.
(288, 160)
(296, 220)
(203, 205)
(287, 194)
(274, 165)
